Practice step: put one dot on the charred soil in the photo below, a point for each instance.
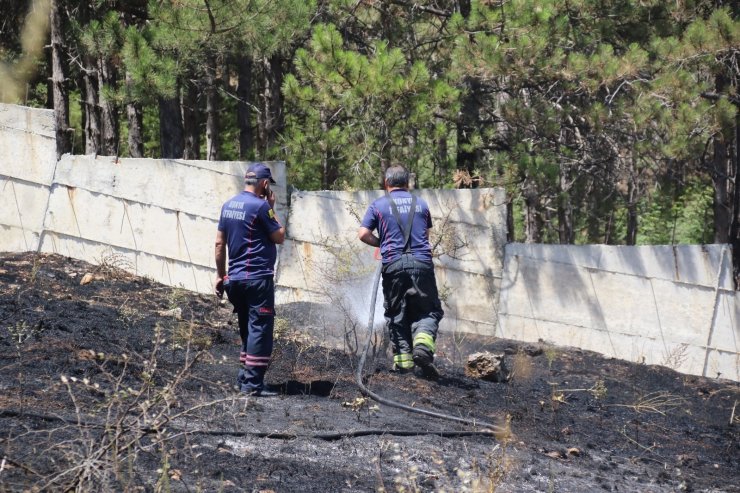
(111, 382)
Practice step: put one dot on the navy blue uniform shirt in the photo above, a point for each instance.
(247, 221)
(380, 217)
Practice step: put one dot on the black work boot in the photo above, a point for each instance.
(423, 358)
(265, 391)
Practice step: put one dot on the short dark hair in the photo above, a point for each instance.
(397, 176)
(252, 182)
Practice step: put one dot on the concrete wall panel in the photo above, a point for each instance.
(285, 295)
(167, 271)
(455, 330)
(455, 288)
(27, 161)
(618, 302)
(580, 255)
(321, 215)
(691, 264)
(517, 327)
(725, 334)
(22, 204)
(314, 267)
(656, 306)
(27, 144)
(683, 263)
(721, 364)
(549, 291)
(130, 225)
(195, 187)
(470, 221)
(685, 312)
(14, 239)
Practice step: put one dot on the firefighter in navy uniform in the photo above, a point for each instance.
(249, 229)
(411, 301)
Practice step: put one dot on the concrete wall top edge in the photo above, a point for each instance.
(235, 168)
(198, 188)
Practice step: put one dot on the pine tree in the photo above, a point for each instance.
(581, 98)
(368, 96)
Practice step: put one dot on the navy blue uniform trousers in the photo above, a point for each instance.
(254, 304)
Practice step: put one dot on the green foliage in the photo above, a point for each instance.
(348, 111)
(601, 96)
(581, 109)
(152, 75)
(675, 216)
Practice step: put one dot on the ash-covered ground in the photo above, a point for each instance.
(109, 382)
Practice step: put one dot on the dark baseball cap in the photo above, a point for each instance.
(259, 171)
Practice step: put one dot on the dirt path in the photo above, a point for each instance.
(122, 384)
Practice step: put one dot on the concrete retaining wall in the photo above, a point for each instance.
(154, 217)
(328, 272)
(27, 161)
(673, 306)
(158, 216)
(667, 305)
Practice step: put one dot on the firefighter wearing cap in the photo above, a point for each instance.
(411, 301)
(249, 230)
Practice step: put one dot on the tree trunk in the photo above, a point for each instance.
(467, 158)
(442, 157)
(384, 165)
(565, 209)
(721, 176)
(271, 122)
(324, 151)
(532, 220)
(92, 111)
(387, 22)
(135, 118)
(134, 110)
(386, 148)
(212, 108)
(464, 8)
(170, 128)
(243, 107)
(735, 227)
(59, 82)
(596, 208)
(108, 108)
(191, 121)
(632, 198)
(510, 229)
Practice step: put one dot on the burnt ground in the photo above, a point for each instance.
(122, 384)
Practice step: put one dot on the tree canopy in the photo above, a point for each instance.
(606, 121)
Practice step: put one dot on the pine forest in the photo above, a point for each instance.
(606, 121)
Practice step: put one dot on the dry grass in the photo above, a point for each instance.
(656, 402)
(522, 368)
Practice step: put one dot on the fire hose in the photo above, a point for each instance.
(491, 429)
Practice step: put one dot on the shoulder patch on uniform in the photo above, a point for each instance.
(271, 213)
